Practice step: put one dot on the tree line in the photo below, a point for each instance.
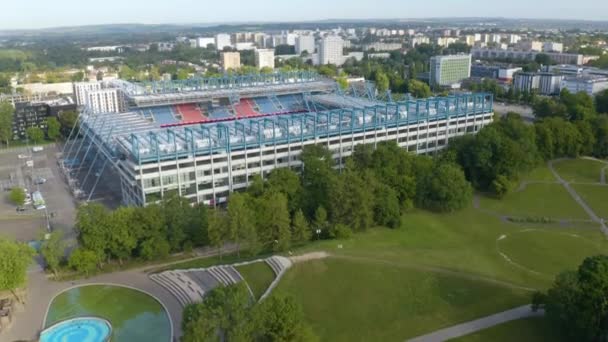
(229, 314)
(496, 157)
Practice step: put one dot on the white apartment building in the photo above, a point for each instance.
(109, 100)
(231, 60)
(513, 38)
(419, 40)
(553, 47)
(203, 42)
(305, 43)
(530, 45)
(588, 84)
(331, 50)
(264, 59)
(222, 40)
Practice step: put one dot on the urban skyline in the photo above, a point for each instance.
(62, 13)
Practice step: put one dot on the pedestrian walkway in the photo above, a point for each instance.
(479, 324)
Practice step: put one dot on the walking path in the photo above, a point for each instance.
(578, 199)
(41, 290)
(479, 324)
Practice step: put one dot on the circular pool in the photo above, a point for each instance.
(82, 329)
(134, 316)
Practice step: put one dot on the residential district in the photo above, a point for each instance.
(420, 180)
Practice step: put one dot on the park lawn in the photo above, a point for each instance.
(536, 329)
(596, 196)
(540, 174)
(551, 251)
(258, 276)
(354, 300)
(579, 170)
(536, 201)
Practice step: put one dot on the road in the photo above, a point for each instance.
(479, 324)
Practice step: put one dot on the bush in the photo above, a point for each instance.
(17, 196)
(340, 231)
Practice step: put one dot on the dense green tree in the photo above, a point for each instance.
(550, 108)
(601, 102)
(577, 302)
(386, 207)
(320, 223)
(17, 196)
(241, 223)
(287, 182)
(317, 177)
(15, 258)
(445, 189)
(382, 82)
(53, 250)
(600, 125)
(68, 119)
(122, 239)
(53, 128)
(280, 319)
(273, 223)
(351, 202)
(217, 230)
(6, 121)
(83, 261)
(178, 215)
(92, 221)
(300, 229)
(543, 59)
(34, 134)
(419, 89)
(558, 138)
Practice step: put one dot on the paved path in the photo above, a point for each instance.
(40, 291)
(579, 200)
(479, 324)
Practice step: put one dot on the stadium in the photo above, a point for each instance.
(203, 138)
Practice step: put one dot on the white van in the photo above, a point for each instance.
(37, 149)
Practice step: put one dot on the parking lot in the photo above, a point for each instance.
(60, 205)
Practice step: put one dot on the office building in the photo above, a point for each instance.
(379, 46)
(35, 113)
(264, 59)
(530, 45)
(450, 70)
(231, 60)
(553, 47)
(331, 50)
(559, 58)
(305, 43)
(549, 83)
(203, 42)
(525, 82)
(591, 85)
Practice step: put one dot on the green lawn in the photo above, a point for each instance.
(348, 300)
(523, 330)
(536, 201)
(258, 276)
(596, 196)
(579, 170)
(542, 251)
(540, 174)
(204, 262)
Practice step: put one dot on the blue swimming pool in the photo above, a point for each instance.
(84, 329)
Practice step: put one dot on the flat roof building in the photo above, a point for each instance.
(331, 50)
(449, 70)
(264, 58)
(231, 60)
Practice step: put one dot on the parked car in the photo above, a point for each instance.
(37, 149)
(21, 209)
(39, 180)
(22, 156)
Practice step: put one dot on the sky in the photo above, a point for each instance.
(26, 14)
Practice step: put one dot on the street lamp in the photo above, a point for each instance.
(318, 231)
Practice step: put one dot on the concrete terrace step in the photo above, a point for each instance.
(276, 267)
(217, 275)
(166, 284)
(190, 286)
(177, 288)
(235, 274)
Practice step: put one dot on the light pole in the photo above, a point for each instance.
(318, 231)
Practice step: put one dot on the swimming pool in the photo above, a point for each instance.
(82, 329)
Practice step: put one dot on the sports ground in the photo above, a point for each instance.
(439, 270)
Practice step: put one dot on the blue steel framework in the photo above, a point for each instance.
(253, 133)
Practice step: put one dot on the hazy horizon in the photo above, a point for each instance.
(37, 14)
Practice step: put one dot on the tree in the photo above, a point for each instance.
(92, 222)
(273, 223)
(445, 189)
(35, 134)
(419, 89)
(300, 230)
(279, 318)
(351, 201)
(121, 237)
(53, 250)
(317, 177)
(216, 230)
(68, 120)
(17, 196)
(83, 260)
(78, 76)
(601, 102)
(53, 128)
(577, 302)
(382, 82)
(320, 223)
(543, 59)
(287, 182)
(6, 121)
(15, 258)
(241, 222)
(386, 207)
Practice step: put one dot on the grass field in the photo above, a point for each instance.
(350, 300)
(596, 196)
(579, 170)
(258, 276)
(540, 174)
(537, 200)
(523, 330)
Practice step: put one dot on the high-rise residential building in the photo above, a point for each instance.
(305, 43)
(553, 47)
(419, 40)
(549, 83)
(99, 97)
(470, 40)
(331, 50)
(222, 40)
(530, 45)
(231, 60)
(449, 70)
(203, 42)
(526, 81)
(513, 38)
(264, 58)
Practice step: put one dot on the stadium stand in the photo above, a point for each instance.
(245, 108)
(266, 106)
(190, 113)
(162, 115)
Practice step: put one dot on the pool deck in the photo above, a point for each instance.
(40, 291)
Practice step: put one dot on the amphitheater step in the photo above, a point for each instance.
(166, 284)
